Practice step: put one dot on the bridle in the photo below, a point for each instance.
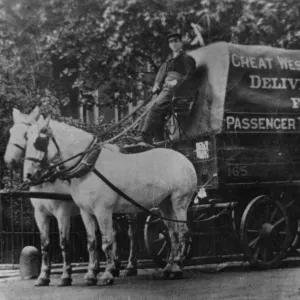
(55, 168)
(22, 148)
(41, 144)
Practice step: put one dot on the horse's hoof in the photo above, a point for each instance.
(176, 275)
(106, 279)
(115, 272)
(42, 282)
(130, 272)
(90, 281)
(65, 282)
(165, 275)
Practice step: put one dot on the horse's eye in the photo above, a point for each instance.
(25, 136)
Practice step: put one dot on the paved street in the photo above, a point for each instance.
(230, 283)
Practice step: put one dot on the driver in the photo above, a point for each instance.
(178, 67)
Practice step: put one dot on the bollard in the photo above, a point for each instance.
(30, 263)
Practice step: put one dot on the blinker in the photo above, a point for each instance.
(41, 143)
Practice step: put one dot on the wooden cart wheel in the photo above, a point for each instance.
(265, 232)
(293, 215)
(296, 234)
(157, 241)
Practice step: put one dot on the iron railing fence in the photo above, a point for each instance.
(18, 229)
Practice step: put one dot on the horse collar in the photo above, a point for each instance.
(84, 165)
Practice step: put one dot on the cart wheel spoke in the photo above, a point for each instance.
(278, 222)
(162, 248)
(267, 214)
(253, 231)
(282, 233)
(161, 237)
(257, 249)
(253, 243)
(264, 254)
(273, 214)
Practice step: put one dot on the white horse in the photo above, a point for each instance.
(62, 210)
(159, 177)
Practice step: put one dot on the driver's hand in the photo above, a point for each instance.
(155, 89)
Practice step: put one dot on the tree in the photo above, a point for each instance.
(54, 51)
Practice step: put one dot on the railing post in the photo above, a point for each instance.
(1, 213)
(1, 227)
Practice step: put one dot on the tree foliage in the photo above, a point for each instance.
(54, 51)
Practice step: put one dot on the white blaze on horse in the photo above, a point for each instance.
(158, 177)
(62, 210)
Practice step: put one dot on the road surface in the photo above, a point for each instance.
(232, 284)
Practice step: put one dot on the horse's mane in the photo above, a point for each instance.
(65, 127)
(112, 147)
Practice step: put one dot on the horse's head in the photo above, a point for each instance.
(16, 145)
(41, 149)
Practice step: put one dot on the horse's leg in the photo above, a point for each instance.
(90, 278)
(182, 238)
(131, 269)
(104, 218)
(43, 223)
(116, 249)
(180, 211)
(64, 237)
(166, 210)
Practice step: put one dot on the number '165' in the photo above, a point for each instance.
(236, 171)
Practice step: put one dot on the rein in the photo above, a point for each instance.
(19, 146)
(133, 202)
(57, 165)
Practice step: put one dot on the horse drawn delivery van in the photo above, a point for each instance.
(241, 131)
(243, 136)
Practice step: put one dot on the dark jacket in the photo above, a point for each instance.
(183, 64)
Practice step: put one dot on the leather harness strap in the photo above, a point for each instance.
(126, 197)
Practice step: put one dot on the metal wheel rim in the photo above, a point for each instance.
(260, 247)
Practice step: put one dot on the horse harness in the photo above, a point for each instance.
(22, 148)
(85, 165)
(81, 168)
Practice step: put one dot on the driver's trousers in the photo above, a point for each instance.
(154, 120)
(153, 123)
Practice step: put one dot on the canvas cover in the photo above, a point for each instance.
(246, 89)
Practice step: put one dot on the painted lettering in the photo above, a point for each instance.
(244, 61)
(251, 61)
(269, 61)
(235, 60)
(288, 64)
(262, 63)
(261, 123)
(282, 62)
(295, 103)
(266, 83)
(255, 82)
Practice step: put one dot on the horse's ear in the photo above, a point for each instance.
(44, 125)
(16, 115)
(47, 121)
(41, 119)
(34, 115)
